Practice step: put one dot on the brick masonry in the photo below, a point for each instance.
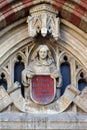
(70, 10)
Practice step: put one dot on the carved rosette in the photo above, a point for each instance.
(43, 20)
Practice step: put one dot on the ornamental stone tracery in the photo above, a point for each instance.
(61, 56)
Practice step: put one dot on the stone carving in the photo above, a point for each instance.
(16, 96)
(5, 99)
(43, 19)
(42, 89)
(70, 95)
(80, 100)
(41, 64)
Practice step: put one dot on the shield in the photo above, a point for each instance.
(42, 90)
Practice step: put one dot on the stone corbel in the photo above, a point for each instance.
(43, 20)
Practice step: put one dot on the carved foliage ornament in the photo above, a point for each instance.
(43, 20)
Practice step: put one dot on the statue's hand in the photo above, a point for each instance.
(59, 82)
(30, 76)
(55, 74)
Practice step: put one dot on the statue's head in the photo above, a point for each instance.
(42, 52)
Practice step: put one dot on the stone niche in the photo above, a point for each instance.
(41, 105)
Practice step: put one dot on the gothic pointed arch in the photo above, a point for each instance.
(67, 51)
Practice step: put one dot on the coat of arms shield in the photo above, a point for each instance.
(42, 89)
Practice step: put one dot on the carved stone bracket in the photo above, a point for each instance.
(43, 20)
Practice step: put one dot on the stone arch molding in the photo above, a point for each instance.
(69, 44)
(12, 11)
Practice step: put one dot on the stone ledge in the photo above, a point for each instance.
(24, 121)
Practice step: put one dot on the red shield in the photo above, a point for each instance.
(42, 89)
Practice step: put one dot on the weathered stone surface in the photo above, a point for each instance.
(62, 121)
(43, 20)
(5, 99)
(71, 48)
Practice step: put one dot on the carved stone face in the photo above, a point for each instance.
(43, 53)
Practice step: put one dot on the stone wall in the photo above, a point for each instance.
(67, 112)
(69, 120)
